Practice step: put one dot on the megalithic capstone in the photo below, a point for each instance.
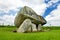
(27, 13)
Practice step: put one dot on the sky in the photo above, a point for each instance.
(49, 9)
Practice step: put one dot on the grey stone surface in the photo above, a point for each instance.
(28, 20)
(27, 12)
(33, 27)
(39, 27)
(25, 26)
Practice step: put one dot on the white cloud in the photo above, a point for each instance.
(7, 20)
(39, 9)
(54, 17)
(34, 2)
(5, 5)
(51, 2)
(37, 5)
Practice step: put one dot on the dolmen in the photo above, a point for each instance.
(28, 21)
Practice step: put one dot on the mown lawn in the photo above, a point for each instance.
(7, 34)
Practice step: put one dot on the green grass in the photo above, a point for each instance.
(7, 34)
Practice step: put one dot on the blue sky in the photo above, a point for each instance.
(49, 9)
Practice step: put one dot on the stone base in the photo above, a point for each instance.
(28, 26)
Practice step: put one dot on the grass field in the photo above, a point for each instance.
(7, 34)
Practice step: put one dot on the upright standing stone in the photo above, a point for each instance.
(24, 26)
(33, 27)
(39, 27)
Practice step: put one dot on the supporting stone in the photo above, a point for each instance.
(30, 29)
(24, 26)
(39, 27)
(34, 27)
